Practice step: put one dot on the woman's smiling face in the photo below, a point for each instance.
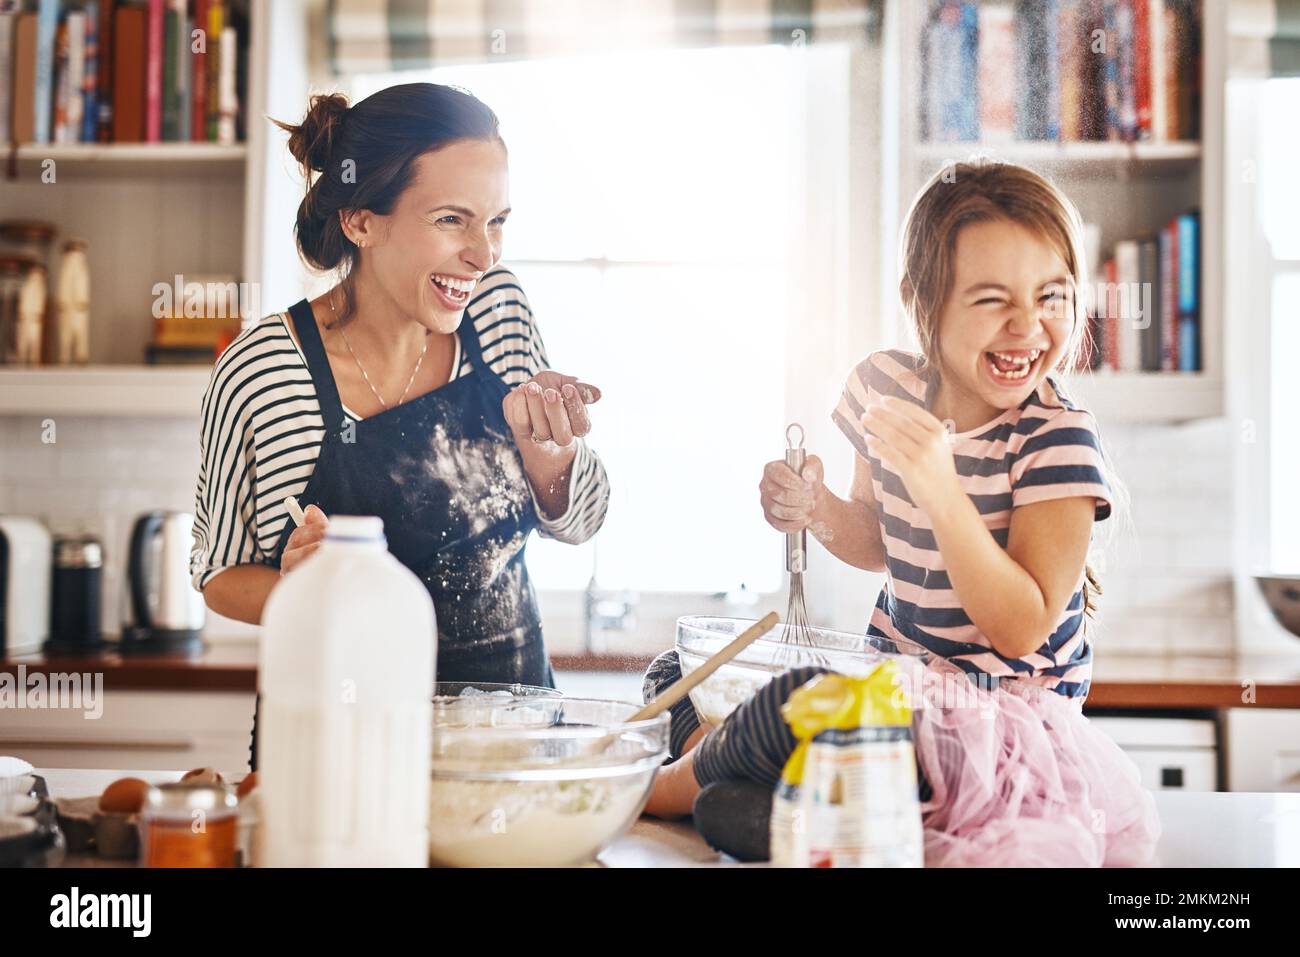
(444, 233)
(1008, 319)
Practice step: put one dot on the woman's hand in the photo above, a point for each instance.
(790, 501)
(304, 540)
(549, 407)
(916, 445)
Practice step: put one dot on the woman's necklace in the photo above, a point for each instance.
(366, 377)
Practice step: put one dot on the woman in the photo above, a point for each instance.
(416, 389)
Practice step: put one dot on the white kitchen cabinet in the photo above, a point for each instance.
(1263, 749)
(1172, 754)
(138, 730)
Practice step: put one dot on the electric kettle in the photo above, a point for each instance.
(163, 612)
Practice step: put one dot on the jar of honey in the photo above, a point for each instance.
(189, 825)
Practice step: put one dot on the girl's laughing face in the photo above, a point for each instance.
(1007, 321)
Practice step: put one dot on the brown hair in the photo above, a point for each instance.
(964, 193)
(364, 156)
(982, 191)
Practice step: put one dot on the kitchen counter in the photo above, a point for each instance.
(1119, 681)
(1199, 829)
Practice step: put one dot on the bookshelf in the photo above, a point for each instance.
(1128, 189)
(150, 211)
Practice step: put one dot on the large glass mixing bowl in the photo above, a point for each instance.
(536, 780)
(701, 637)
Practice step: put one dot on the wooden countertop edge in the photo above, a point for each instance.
(180, 674)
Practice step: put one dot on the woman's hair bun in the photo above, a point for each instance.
(312, 141)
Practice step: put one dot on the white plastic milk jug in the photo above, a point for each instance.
(346, 675)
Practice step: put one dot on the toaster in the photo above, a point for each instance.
(25, 552)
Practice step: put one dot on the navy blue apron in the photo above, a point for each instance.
(444, 474)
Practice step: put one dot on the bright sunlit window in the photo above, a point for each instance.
(654, 214)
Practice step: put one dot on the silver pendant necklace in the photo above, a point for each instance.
(409, 382)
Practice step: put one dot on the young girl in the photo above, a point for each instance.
(975, 488)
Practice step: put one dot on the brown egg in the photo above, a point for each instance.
(204, 776)
(246, 785)
(124, 796)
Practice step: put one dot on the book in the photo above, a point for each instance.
(90, 79)
(1169, 297)
(59, 121)
(228, 101)
(1072, 48)
(24, 89)
(216, 19)
(183, 75)
(7, 20)
(1127, 72)
(76, 24)
(1173, 64)
(1110, 81)
(170, 102)
(1149, 300)
(1158, 69)
(130, 43)
(1038, 100)
(47, 27)
(1189, 292)
(1142, 66)
(104, 85)
(997, 72)
(199, 76)
(1110, 314)
(153, 85)
(1128, 355)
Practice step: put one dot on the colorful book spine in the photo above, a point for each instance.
(76, 22)
(1142, 66)
(59, 123)
(47, 27)
(1129, 344)
(183, 73)
(153, 76)
(90, 79)
(8, 18)
(1169, 297)
(216, 20)
(1189, 345)
(199, 76)
(1124, 41)
(1158, 69)
(1110, 70)
(1149, 303)
(228, 97)
(1037, 71)
(997, 59)
(171, 107)
(1072, 44)
(105, 85)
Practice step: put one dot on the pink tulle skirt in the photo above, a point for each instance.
(1020, 778)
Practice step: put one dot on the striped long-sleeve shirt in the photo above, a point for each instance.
(1043, 449)
(261, 431)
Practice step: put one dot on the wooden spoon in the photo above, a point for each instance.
(680, 689)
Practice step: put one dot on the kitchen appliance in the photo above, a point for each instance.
(163, 612)
(24, 585)
(77, 587)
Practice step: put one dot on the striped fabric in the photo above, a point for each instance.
(382, 36)
(1043, 449)
(261, 432)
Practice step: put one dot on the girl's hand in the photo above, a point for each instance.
(790, 501)
(916, 445)
(549, 407)
(304, 540)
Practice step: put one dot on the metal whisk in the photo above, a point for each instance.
(797, 631)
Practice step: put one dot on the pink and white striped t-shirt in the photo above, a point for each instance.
(1045, 448)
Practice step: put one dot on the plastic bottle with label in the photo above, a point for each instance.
(346, 676)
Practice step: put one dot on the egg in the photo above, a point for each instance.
(124, 796)
(203, 776)
(246, 785)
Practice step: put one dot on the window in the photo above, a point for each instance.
(658, 229)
